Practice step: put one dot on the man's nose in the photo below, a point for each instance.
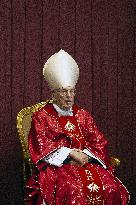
(69, 93)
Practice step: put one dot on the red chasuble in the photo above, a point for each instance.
(69, 184)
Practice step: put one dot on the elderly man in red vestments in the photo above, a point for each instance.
(67, 148)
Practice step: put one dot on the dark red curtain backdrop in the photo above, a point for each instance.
(101, 36)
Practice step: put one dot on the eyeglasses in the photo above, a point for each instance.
(64, 92)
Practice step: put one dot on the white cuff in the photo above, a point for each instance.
(57, 158)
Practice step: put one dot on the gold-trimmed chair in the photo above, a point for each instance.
(23, 127)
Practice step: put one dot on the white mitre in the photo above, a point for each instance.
(61, 71)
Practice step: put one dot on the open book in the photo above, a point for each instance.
(90, 154)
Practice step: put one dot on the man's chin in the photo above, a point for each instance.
(68, 106)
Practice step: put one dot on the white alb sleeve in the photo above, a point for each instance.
(57, 158)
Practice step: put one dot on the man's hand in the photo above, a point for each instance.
(79, 157)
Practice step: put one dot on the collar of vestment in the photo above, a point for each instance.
(49, 108)
(62, 112)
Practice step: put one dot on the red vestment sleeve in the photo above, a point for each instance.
(96, 141)
(42, 140)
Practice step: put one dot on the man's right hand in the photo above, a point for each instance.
(79, 157)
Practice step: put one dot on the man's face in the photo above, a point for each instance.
(64, 97)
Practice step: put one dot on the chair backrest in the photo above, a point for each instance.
(23, 128)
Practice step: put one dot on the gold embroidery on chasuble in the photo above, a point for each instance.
(69, 126)
(95, 200)
(72, 130)
(93, 187)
